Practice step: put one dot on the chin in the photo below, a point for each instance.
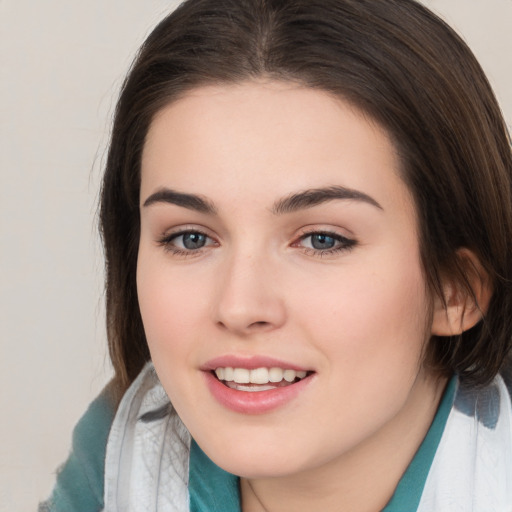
(257, 460)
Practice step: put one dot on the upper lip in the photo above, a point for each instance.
(250, 363)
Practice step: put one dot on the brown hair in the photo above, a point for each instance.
(394, 60)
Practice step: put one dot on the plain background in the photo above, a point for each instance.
(61, 65)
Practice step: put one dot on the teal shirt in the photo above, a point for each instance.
(211, 489)
(79, 486)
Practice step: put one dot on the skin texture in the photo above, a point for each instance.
(358, 317)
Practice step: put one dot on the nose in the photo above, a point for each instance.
(249, 298)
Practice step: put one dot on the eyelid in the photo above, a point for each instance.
(345, 243)
(342, 242)
(166, 239)
(337, 233)
(186, 228)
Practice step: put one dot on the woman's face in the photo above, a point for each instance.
(279, 243)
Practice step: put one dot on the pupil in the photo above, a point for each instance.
(193, 240)
(322, 242)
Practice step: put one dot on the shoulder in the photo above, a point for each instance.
(80, 480)
(472, 468)
(147, 456)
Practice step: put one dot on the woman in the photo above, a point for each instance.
(307, 216)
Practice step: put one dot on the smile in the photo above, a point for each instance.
(258, 379)
(255, 385)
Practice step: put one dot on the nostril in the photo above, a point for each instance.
(259, 324)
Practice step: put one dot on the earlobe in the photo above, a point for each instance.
(462, 308)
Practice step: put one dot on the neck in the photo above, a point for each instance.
(361, 480)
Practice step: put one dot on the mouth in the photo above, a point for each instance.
(258, 379)
(256, 384)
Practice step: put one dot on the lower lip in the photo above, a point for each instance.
(254, 402)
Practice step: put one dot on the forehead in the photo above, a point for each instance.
(268, 139)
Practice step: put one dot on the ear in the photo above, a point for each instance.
(462, 308)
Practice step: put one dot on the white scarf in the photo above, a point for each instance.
(146, 467)
(147, 462)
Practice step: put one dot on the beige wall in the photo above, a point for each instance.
(61, 64)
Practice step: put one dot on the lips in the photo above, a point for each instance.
(250, 363)
(254, 385)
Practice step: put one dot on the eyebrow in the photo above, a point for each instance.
(313, 197)
(299, 201)
(189, 201)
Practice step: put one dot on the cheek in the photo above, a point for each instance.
(169, 308)
(370, 328)
(373, 315)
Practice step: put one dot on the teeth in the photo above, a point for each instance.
(275, 375)
(258, 375)
(242, 387)
(241, 375)
(289, 375)
(228, 374)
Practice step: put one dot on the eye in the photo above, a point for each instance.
(191, 241)
(325, 243)
(186, 242)
(322, 241)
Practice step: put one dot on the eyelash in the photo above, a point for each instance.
(167, 243)
(344, 243)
